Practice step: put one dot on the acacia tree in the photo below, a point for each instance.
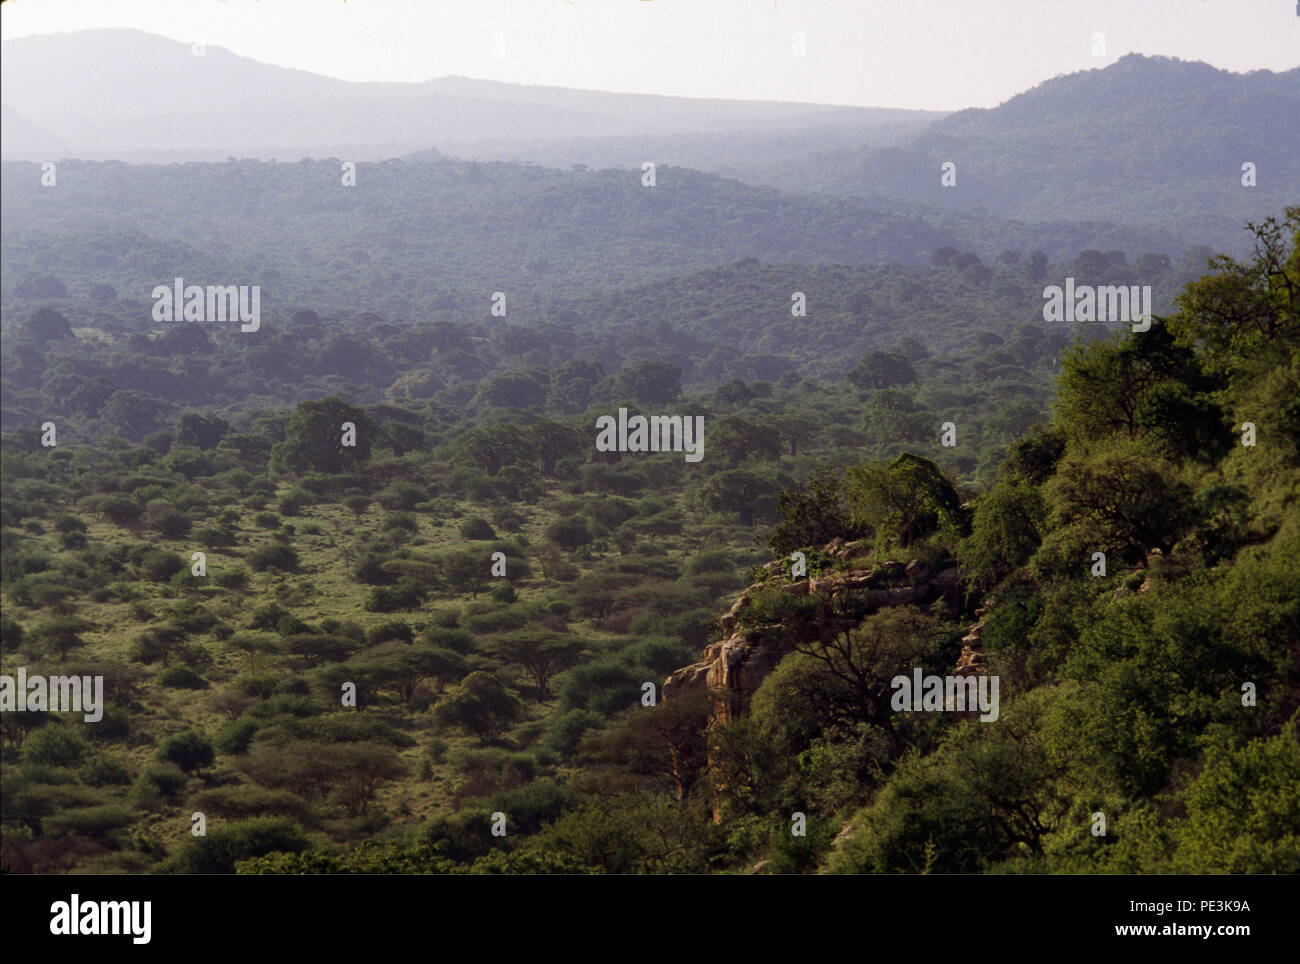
(467, 571)
(480, 705)
(496, 446)
(1245, 309)
(314, 438)
(736, 490)
(541, 653)
(1126, 499)
(904, 500)
(882, 369)
(813, 514)
(863, 659)
(552, 442)
(1008, 525)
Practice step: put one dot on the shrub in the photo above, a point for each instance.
(477, 528)
(602, 687)
(293, 501)
(159, 782)
(400, 495)
(158, 565)
(107, 771)
(235, 736)
(402, 521)
(236, 578)
(241, 802)
(389, 599)
(389, 630)
(191, 751)
(275, 555)
(11, 634)
(181, 678)
(568, 533)
(566, 730)
(167, 521)
(448, 617)
(94, 822)
(218, 852)
(69, 523)
(56, 746)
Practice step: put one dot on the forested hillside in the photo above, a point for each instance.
(364, 657)
(436, 239)
(1100, 145)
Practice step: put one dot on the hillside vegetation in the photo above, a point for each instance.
(391, 649)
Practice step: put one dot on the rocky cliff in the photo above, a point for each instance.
(734, 667)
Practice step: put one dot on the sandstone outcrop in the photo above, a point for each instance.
(734, 667)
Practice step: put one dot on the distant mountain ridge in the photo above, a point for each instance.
(128, 92)
(1154, 141)
(1154, 146)
(1150, 142)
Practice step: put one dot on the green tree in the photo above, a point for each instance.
(552, 442)
(60, 635)
(222, 847)
(133, 414)
(882, 369)
(1242, 816)
(1008, 525)
(467, 570)
(540, 652)
(495, 447)
(191, 751)
(813, 514)
(479, 705)
(1244, 310)
(735, 490)
(315, 436)
(735, 439)
(904, 500)
(1128, 499)
(203, 432)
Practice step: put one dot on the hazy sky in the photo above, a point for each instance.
(934, 54)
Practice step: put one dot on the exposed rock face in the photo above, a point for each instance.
(733, 668)
(972, 659)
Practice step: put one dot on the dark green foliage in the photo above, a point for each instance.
(480, 705)
(190, 751)
(813, 514)
(905, 500)
(477, 528)
(1121, 692)
(316, 438)
(160, 565)
(568, 533)
(55, 746)
(566, 729)
(602, 687)
(274, 555)
(235, 736)
(222, 847)
(181, 678)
